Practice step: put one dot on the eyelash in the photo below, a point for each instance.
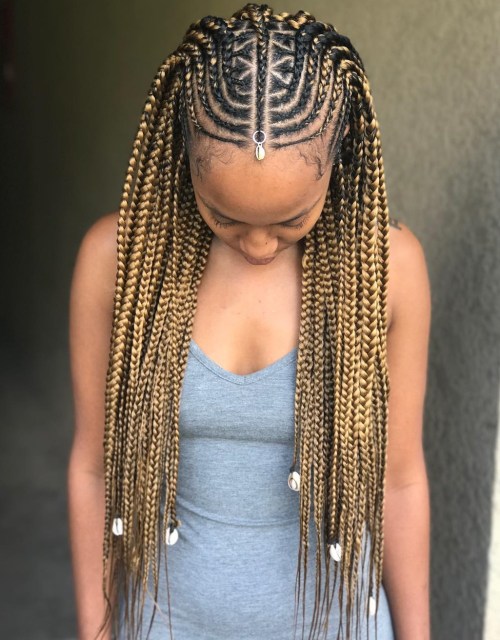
(224, 225)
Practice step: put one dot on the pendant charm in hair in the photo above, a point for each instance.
(259, 137)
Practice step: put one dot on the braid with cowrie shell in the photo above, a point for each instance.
(280, 80)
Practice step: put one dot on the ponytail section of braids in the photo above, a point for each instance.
(299, 81)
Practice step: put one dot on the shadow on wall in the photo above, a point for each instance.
(462, 404)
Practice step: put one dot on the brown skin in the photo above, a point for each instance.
(248, 317)
(91, 312)
(248, 314)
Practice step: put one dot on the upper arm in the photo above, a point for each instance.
(407, 355)
(90, 321)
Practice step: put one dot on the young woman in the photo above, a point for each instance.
(249, 339)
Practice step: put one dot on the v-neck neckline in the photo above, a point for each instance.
(237, 378)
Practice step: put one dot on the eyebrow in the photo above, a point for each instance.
(223, 215)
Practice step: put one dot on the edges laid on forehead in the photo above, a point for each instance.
(322, 152)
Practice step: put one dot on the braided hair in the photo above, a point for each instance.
(290, 76)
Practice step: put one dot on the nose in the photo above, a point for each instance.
(259, 243)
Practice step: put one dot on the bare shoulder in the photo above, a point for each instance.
(100, 238)
(104, 230)
(90, 326)
(408, 288)
(95, 266)
(93, 284)
(404, 244)
(407, 356)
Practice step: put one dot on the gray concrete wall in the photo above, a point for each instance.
(83, 72)
(492, 620)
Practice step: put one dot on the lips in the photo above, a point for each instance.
(259, 261)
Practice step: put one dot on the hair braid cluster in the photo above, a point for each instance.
(292, 76)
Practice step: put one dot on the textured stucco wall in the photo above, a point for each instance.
(83, 73)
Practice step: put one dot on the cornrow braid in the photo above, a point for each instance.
(292, 77)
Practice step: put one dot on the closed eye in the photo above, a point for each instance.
(225, 225)
(299, 225)
(218, 223)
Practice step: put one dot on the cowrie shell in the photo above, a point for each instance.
(294, 481)
(118, 527)
(260, 152)
(372, 605)
(336, 551)
(172, 536)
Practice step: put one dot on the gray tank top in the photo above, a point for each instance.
(231, 574)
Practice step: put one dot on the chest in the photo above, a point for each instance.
(245, 324)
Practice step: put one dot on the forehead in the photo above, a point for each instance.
(237, 182)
